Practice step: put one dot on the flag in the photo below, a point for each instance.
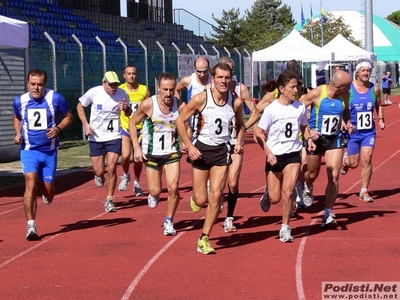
(323, 15)
(303, 20)
(311, 23)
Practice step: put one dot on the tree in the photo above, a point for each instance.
(331, 27)
(266, 23)
(394, 17)
(228, 31)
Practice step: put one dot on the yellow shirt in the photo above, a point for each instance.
(135, 98)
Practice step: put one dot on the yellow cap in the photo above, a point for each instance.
(111, 77)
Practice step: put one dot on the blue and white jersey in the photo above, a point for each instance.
(37, 116)
(196, 87)
(362, 109)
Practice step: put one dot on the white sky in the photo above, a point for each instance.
(204, 8)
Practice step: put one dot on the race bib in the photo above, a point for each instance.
(330, 124)
(288, 131)
(219, 126)
(162, 142)
(364, 120)
(37, 119)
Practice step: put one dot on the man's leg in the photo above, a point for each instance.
(125, 161)
(155, 184)
(333, 161)
(310, 175)
(112, 160)
(172, 172)
(366, 173)
(218, 176)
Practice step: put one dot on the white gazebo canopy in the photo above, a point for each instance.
(14, 33)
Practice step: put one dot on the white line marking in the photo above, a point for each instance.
(45, 241)
(300, 252)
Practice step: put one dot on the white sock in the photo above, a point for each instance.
(363, 190)
(31, 222)
(285, 226)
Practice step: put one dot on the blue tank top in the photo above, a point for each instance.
(362, 109)
(326, 115)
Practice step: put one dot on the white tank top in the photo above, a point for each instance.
(213, 123)
(159, 134)
(195, 86)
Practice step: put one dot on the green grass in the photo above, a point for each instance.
(71, 155)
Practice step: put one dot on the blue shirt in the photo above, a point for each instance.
(38, 115)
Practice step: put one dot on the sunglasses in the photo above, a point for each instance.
(202, 71)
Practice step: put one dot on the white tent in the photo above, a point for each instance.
(14, 33)
(14, 42)
(346, 51)
(293, 46)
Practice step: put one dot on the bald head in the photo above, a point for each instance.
(201, 63)
(341, 78)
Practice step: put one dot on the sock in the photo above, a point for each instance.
(203, 235)
(285, 226)
(168, 219)
(328, 210)
(363, 190)
(31, 222)
(127, 174)
(232, 200)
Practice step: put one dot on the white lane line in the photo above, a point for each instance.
(45, 241)
(300, 252)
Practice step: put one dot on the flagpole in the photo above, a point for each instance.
(322, 26)
(311, 24)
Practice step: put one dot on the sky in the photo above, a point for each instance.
(204, 8)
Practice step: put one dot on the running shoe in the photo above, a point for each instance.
(365, 197)
(203, 246)
(125, 179)
(47, 200)
(194, 206)
(137, 189)
(221, 208)
(169, 228)
(344, 169)
(265, 203)
(308, 197)
(285, 235)
(99, 180)
(228, 225)
(109, 205)
(153, 201)
(32, 234)
(299, 192)
(329, 220)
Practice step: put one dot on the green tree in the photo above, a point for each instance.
(331, 27)
(228, 31)
(266, 23)
(394, 17)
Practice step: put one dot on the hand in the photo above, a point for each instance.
(314, 134)
(123, 105)
(18, 139)
(271, 159)
(138, 155)
(89, 130)
(52, 132)
(311, 145)
(381, 124)
(238, 149)
(194, 153)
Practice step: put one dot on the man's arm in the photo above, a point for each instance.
(379, 108)
(245, 94)
(195, 105)
(238, 107)
(182, 84)
(143, 111)
(18, 130)
(82, 116)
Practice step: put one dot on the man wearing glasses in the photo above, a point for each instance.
(195, 83)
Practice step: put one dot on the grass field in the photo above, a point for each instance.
(71, 155)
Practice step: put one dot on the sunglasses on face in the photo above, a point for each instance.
(201, 71)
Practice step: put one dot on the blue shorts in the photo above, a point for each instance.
(44, 163)
(126, 132)
(101, 148)
(358, 140)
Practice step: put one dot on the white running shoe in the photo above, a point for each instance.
(285, 235)
(228, 225)
(47, 200)
(137, 189)
(32, 234)
(169, 228)
(99, 180)
(109, 205)
(125, 179)
(329, 220)
(153, 201)
(308, 197)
